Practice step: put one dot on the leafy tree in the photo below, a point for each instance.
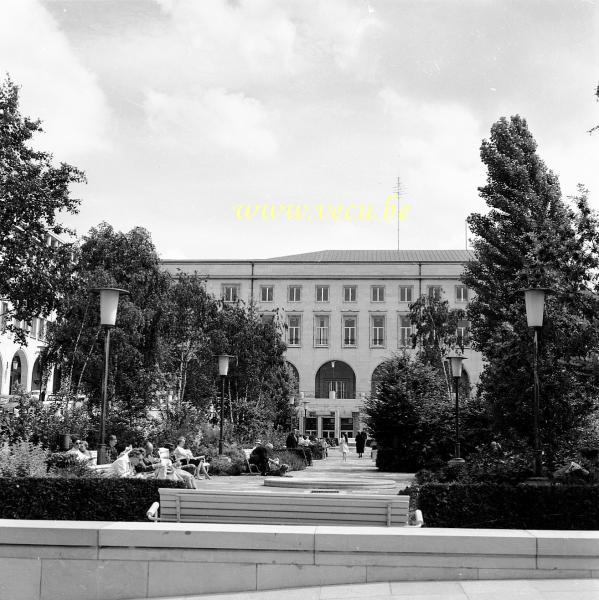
(436, 333)
(532, 237)
(410, 415)
(33, 192)
(75, 341)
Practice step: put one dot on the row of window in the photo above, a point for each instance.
(230, 293)
(36, 329)
(349, 325)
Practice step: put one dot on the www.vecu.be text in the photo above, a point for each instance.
(337, 213)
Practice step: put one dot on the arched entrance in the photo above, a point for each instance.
(17, 373)
(295, 374)
(336, 376)
(376, 378)
(36, 376)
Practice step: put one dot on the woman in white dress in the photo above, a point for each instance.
(344, 446)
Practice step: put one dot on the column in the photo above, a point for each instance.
(337, 424)
(319, 427)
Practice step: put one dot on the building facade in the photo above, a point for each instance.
(20, 365)
(345, 312)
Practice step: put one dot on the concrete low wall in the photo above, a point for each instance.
(64, 560)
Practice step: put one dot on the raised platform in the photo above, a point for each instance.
(330, 484)
(70, 560)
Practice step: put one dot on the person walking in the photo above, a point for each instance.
(360, 443)
(343, 442)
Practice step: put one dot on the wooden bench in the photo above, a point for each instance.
(314, 507)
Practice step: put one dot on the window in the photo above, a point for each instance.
(461, 293)
(405, 331)
(294, 293)
(267, 318)
(322, 293)
(463, 333)
(378, 331)
(41, 330)
(349, 331)
(321, 331)
(33, 328)
(378, 293)
(266, 293)
(350, 293)
(230, 292)
(3, 315)
(294, 330)
(434, 292)
(405, 293)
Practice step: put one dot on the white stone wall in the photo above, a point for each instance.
(70, 560)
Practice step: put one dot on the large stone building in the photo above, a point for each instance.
(345, 312)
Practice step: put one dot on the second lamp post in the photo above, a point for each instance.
(109, 303)
(455, 361)
(223, 370)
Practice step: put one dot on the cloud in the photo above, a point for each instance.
(197, 122)
(55, 86)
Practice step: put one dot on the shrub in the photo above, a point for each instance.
(23, 459)
(64, 464)
(91, 499)
(504, 506)
(224, 466)
(291, 458)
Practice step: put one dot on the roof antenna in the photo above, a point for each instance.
(398, 191)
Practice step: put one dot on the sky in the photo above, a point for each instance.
(262, 128)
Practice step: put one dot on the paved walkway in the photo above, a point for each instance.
(540, 589)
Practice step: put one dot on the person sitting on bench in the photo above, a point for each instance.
(186, 457)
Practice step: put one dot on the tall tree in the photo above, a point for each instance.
(33, 193)
(531, 237)
(75, 342)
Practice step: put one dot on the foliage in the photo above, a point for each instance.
(75, 341)
(291, 458)
(23, 459)
(227, 466)
(91, 499)
(504, 506)
(43, 423)
(33, 274)
(436, 332)
(410, 415)
(531, 237)
(65, 464)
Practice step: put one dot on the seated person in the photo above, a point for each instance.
(111, 452)
(259, 457)
(186, 457)
(175, 470)
(146, 467)
(123, 466)
(274, 465)
(77, 453)
(85, 450)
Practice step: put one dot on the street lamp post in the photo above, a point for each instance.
(535, 305)
(305, 403)
(455, 361)
(223, 370)
(109, 303)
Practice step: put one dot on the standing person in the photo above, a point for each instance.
(292, 439)
(343, 442)
(360, 443)
(111, 452)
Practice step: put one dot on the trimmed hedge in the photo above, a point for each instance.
(503, 506)
(88, 499)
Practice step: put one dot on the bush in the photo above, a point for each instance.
(290, 457)
(97, 499)
(224, 466)
(64, 464)
(23, 459)
(504, 506)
